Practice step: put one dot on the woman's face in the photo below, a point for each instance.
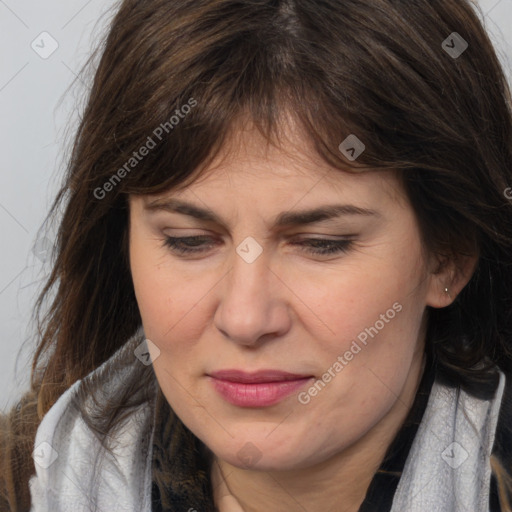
(258, 294)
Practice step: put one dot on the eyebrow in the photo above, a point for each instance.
(284, 219)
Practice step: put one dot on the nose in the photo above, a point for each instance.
(253, 302)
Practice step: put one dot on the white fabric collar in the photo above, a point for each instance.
(448, 468)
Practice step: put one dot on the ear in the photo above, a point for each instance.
(448, 278)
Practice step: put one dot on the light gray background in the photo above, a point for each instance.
(39, 113)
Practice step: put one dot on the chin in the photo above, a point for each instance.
(262, 455)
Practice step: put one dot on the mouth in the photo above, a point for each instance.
(257, 389)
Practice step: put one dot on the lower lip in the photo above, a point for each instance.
(262, 394)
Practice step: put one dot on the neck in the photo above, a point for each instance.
(337, 484)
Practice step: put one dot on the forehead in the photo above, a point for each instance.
(248, 163)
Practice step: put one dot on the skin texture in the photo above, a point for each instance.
(290, 310)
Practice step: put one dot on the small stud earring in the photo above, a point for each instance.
(447, 292)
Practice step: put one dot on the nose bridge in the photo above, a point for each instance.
(249, 270)
(248, 280)
(249, 306)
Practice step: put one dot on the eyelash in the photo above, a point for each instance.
(327, 246)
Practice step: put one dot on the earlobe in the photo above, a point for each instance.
(440, 293)
(448, 281)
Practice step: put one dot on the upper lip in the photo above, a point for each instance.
(257, 376)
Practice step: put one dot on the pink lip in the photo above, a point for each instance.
(258, 389)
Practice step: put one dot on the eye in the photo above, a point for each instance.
(187, 244)
(200, 244)
(325, 246)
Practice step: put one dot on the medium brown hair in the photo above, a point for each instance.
(374, 68)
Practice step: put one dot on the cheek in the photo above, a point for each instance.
(153, 287)
(150, 291)
(344, 304)
(170, 307)
(371, 317)
(376, 358)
